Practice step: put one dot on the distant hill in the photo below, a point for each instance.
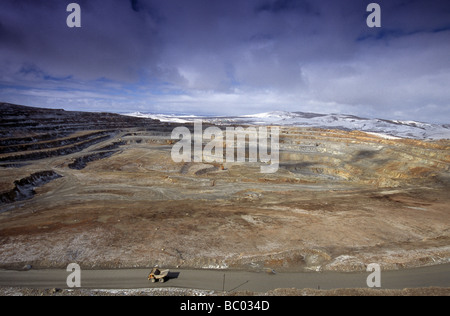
(383, 127)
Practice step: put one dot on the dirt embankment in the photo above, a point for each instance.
(25, 188)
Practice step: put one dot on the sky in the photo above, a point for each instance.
(229, 57)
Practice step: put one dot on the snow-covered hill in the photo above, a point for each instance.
(404, 129)
(382, 127)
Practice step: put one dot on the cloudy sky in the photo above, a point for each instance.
(229, 57)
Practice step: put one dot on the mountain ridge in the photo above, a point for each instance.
(383, 127)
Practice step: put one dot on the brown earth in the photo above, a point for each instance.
(340, 200)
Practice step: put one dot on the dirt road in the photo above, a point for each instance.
(436, 276)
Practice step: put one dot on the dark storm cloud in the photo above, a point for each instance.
(229, 57)
(114, 41)
(135, 5)
(279, 6)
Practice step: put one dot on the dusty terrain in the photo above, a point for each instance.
(102, 190)
(189, 292)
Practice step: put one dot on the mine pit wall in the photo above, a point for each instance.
(330, 155)
(357, 157)
(81, 162)
(55, 152)
(362, 158)
(24, 188)
(34, 145)
(32, 139)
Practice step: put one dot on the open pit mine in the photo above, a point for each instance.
(102, 190)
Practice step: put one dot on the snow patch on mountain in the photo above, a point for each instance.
(390, 129)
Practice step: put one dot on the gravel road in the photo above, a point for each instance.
(434, 276)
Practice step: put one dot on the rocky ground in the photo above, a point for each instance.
(102, 190)
(190, 292)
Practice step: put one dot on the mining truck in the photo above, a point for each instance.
(157, 275)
